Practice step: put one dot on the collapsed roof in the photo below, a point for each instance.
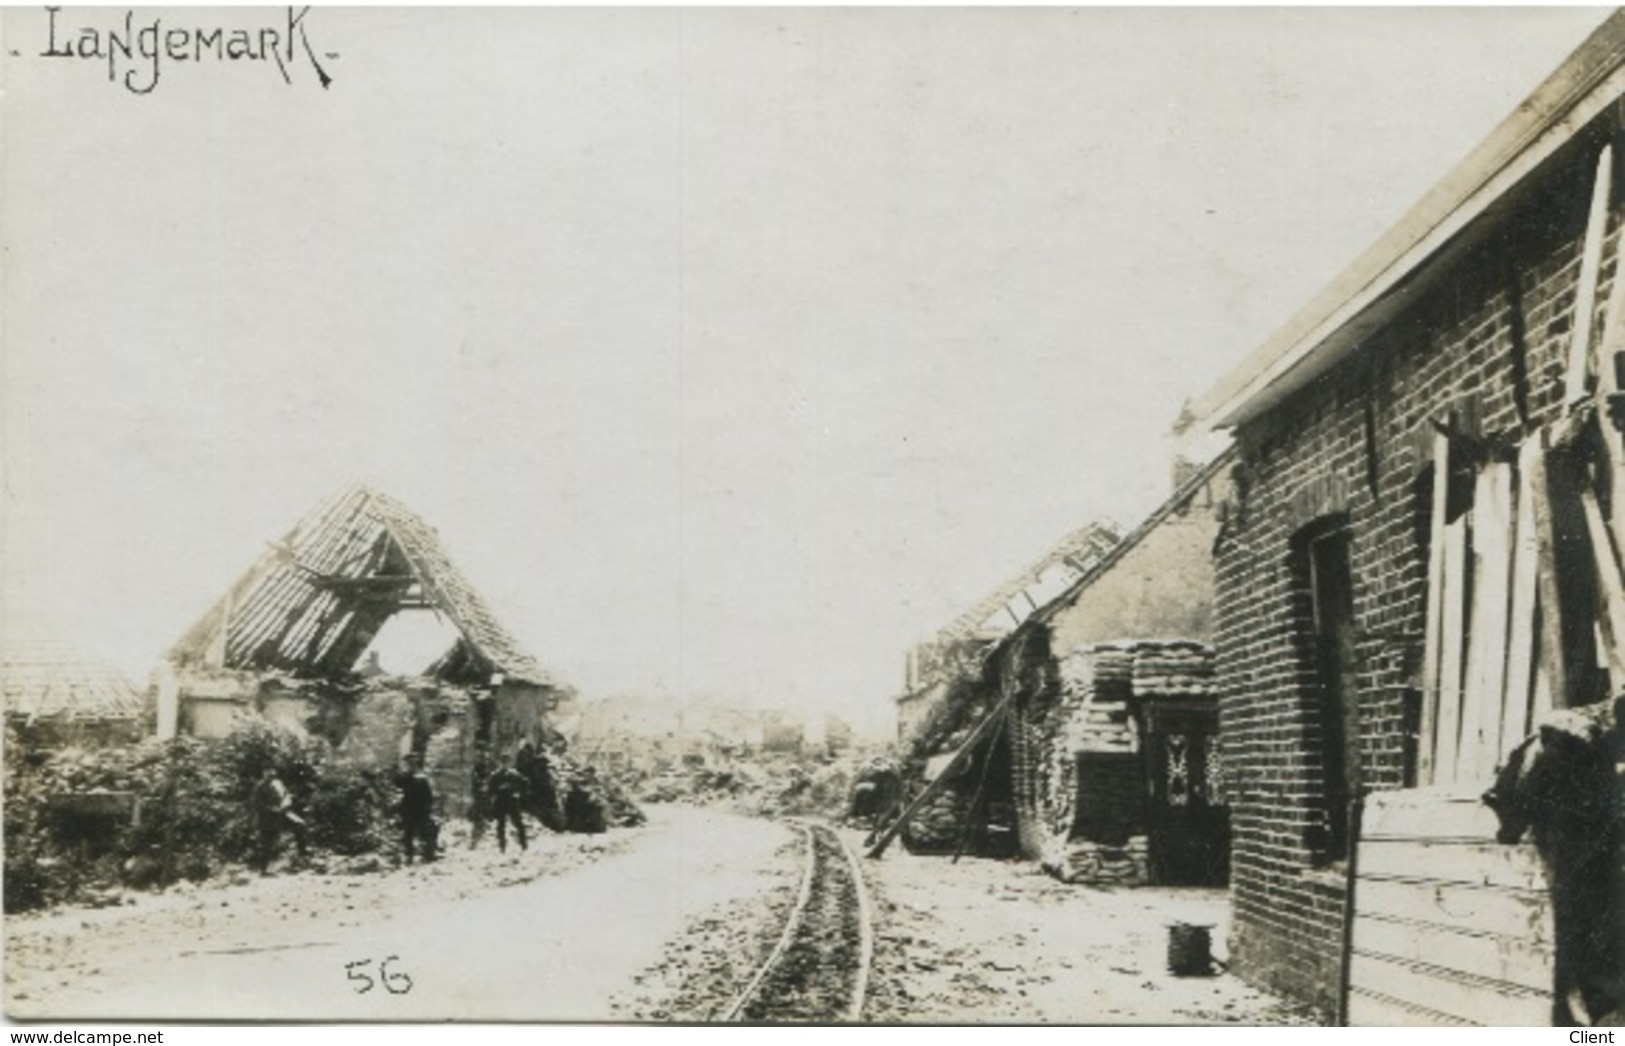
(48, 680)
(314, 602)
(1077, 554)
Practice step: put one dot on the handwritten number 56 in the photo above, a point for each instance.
(394, 983)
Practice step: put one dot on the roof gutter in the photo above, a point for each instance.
(1390, 271)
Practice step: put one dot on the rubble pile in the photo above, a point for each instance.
(79, 822)
(767, 784)
(588, 801)
(83, 823)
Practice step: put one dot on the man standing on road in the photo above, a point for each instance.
(417, 810)
(506, 792)
(273, 811)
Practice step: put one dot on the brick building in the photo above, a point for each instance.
(1411, 487)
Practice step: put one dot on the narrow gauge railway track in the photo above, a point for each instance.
(819, 969)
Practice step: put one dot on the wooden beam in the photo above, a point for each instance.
(935, 784)
(1611, 588)
(981, 790)
(1554, 662)
(1447, 745)
(1435, 607)
(1585, 301)
(1491, 595)
(1518, 692)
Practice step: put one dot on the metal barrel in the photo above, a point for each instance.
(1190, 950)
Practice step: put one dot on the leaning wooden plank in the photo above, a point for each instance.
(1585, 300)
(1492, 571)
(1612, 601)
(1552, 679)
(1610, 354)
(1520, 673)
(1540, 701)
(1453, 592)
(1435, 605)
(936, 783)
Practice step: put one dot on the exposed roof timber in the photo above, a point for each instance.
(314, 601)
(1078, 549)
(49, 680)
(1406, 258)
(1180, 498)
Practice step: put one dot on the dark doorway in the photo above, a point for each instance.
(1188, 836)
(1332, 599)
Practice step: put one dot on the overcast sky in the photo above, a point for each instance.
(731, 351)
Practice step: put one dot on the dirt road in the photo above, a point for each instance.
(551, 934)
(658, 923)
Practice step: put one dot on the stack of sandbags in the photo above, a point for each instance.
(1113, 670)
(1096, 683)
(936, 824)
(1177, 667)
(1096, 864)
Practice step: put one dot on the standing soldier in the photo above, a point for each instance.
(506, 789)
(417, 810)
(273, 811)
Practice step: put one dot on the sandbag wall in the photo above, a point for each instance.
(1086, 759)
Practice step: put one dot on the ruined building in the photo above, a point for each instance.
(287, 640)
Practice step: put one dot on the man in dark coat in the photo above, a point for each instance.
(506, 790)
(273, 812)
(417, 811)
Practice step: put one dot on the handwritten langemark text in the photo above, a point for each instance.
(137, 53)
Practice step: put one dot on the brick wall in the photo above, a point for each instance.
(1488, 341)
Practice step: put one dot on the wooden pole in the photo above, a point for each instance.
(1554, 647)
(1612, 588)
(936, 783)
(1452, 651)
(981, 789)
(1585, 300)
(1521, 635)
(1492, 596)
(1608, 361)
(1356, 812)
(1435, 607)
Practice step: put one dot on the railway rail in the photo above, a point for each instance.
(818, 971)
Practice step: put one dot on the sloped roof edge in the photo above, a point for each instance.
(1325, 330)
(1179, 499)
(1090, 541)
